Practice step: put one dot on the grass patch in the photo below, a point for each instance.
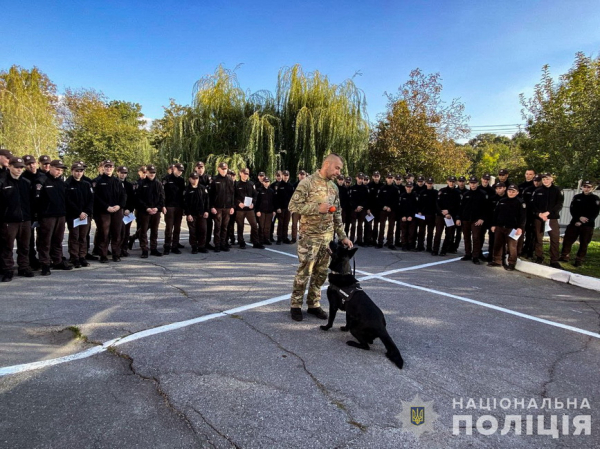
(77, 335)
(591, 264)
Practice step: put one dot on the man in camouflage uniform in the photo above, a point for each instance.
(313, 199)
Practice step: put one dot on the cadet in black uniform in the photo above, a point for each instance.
(547, 202)
(283, 195)
(419, 186)
(458, 234)
(448, 204)
(196, 207)
(5, 157)
(174, 185)
(359, 197)
(584, 211)
(15, 219)
(275, 186)
(205, 180)
(244, 188)
(51, 207)
(79, 197)
(388, 200)
(472, 216)
(503, 176)
(509, 214)
(122, 173)
(221, 193)
(490, 192)
(265, 211)
(35, 177)
(150, 203)
(44, 164)
(427, 207)
(407, 211)
(529, 175)
(373, 226)
(527, 195)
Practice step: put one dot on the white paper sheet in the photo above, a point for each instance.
(449, 222)
(420, 217)
(78, 222)
(247, 201)
(369, 218)
(547, 227)
(513, 235)
(128, 218)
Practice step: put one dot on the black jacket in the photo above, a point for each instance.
(408, 204)
(195, 200)
(547, 199)
(242, 190)
(344, 197)
(15, 199)
(510, 213)
(265, 201)
(130, 192)
(359, 196)
(221, 192)
(387, 196)
(427, 203)
(108, 192)
(373, 203)
(587, 206)
(50, 198)
(174, 187)
(448, 199)
(79, 197)
(283, 195)
(474, 206)
(149, 194)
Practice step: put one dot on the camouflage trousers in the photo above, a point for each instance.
(314, 265)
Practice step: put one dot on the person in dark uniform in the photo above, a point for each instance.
(205, 180)
(222, 201)
(150, 202)
(296, 215)
(348, 221)
(490, 192)
(509, 214)
(407, 211)
(427, 207)
(472, 216)
(529, 242)
(174, 185)
(122, 173)
(141, 176)
(283, 195)
(458, 234)
(109, 202)
(388, 203)
(275, 186)
(15, 220)
(359, 197)
(373, 226)
(79, 198)
(5, 157)
(51, 207)
(420, 185)
(344, 199)
(265, 211)
(35, 177)
(231, 224)
(584, 208)
(547, 202)
(448, 204)
(44, 164)
(196, 207)
(503, 177)
(529, 175)
(244, 188)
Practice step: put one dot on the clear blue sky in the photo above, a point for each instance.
(147, 52)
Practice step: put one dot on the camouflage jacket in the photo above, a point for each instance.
(311, 192)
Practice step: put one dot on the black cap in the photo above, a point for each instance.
(398, 178)
(473, 179)
(499, 184)
(179, 166)
(341, 177)
(77, 166)
(194, 175)
(16, 162)
(28, 159)
(587, 183)
(503, 172)
(122, 169)
(410, 175)
(462, 179)
(151, 168)
(223, 165)
(245, 171)
(302, 172)
(57, 164)
(451, 178)
(199, 164)
(348, 179)
(360, 175)
(390, 175)
(547, 175)
(285, 173)
(266, 179)
(261, 173)
(366, 178)
(108, 163)
(430, 181)
(6, 153)
(376, 173)
(143, 168)
(230, 172)
(82, 163)
(44, 159)
(409, 184)
(421, 178)
(537, 178)
(486, 176)
(512, 187)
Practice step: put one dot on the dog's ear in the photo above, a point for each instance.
(351, 252)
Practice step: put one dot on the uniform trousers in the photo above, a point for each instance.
(283, 224)
(50, 238)
(346, 219)
(32, 253)
(584, 233)
(314, 258)
(9, 232)
(357, 220)
(502, 240)
(529, 237)
(125, 232)
(376, 224)
(109, 229)
(78, 239)
(222, 218)
(425, 226)
(390, 219)
(440, 226)
(554, 235)
(249, 215)
(408, 233)
(264, 226)
(197, 229)
(173, 226)
(145, 222)
(295, 222)
(473, 235)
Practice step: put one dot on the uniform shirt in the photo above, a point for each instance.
(244, 189)
(130, 192)
(15, 199)
(388, 196)
(79, 197)
(221, 192)
(149, 194)
(473, 206)
(408, 204)
(510, 213)
(283, 195)
(547, 199)
(35, 179)
(312, 191)
(50, 197)
(524, 185)
(427, 203)
(373, 203)
(448, 199)
(344, 197)
(108, 192)
(587, 206)
(174, 187)
(527, 197)
(265, 201)
(195, 200)
(359, 196)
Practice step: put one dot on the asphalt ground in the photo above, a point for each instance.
(200, 351)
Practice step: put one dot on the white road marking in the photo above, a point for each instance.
(8, 370)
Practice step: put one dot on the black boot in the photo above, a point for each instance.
(7, 276)
(46, 270)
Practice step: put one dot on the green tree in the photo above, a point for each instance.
(97, 129)
(490, 152)
(29, 119)
(417, 133)
(563, 121)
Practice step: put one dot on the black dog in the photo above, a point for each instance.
(364, 319)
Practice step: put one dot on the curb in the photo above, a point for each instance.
(555, 274)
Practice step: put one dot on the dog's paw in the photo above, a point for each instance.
(344, 328)
(325, 328)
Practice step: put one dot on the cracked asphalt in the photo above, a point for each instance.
(252, 378)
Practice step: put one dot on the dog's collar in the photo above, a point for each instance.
(346, 293)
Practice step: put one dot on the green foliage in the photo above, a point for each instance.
(29, 122)
(96, 129)
(563, 121)
(418, 131)
(490, 152)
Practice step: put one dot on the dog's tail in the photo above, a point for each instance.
(392, 351)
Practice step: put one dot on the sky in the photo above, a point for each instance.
(148, 52)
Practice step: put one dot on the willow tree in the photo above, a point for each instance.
(29, 119)
(318, 117)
